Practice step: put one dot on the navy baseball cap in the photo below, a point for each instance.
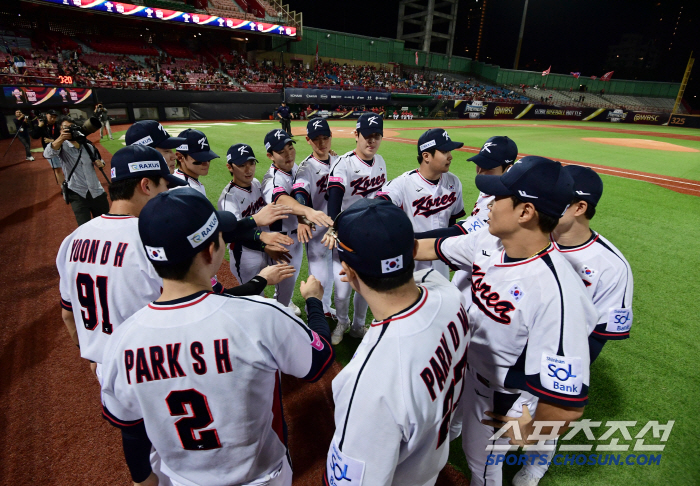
(276, 140)
(151, 133)
(317, 127)
(496, 151)
(239, 154)
(375, 238)
(588, 186)
(437, 138)
(138, 161)
(196, 146)
(176, 225)
(533, 179)
(370, 123)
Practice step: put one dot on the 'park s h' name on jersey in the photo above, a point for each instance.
(105, 278)
(277, 183)
(529, 319)
(429, 206)
(205, 380)
(608, 279)
(357, 178)
(312, 181)
(394, 400)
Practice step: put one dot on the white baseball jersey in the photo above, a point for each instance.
(394, 400)
(479, 218)
(244, 202)
(204, 377)
(429, 206)
(276, 183)
(608, 280)
(356, 178)
(105, 278)
(312, 180)
(529, 319)
(191, 181)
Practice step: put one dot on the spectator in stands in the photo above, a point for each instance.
(47, 131)
(78, 160)
(101, 114)
(23, 127)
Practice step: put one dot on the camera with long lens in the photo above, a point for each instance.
(79, 133)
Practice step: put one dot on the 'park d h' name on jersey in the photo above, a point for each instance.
(356, 177)
(105, 277)
(428, 205)
(312, 181)
(529, 319)
(277, 183)
(191, 181)
(608, 279)
(206, 383)
(394, 400)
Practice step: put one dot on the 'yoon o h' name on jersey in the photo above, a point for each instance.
(242, 201)
(203, 374)
(394, 400)
(608, 279)
(277, 183)
(429, 206)
(529, 319)
(311, 180)
(105, 278)
(191, 181)
(357, 178)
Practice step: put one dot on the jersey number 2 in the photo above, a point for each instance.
(201, 418)
(86, 296)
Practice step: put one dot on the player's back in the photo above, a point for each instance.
(393, 400)
(105, 278)
(202, 372)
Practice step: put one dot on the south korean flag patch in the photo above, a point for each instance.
(156, 253)
(587, 271)
(392, 264)
(516, 292)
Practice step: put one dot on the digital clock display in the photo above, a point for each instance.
(65, 79)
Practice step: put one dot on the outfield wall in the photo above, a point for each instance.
(508, 111)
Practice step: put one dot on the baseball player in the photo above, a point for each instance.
(606, 275)
(277, 186)
(394, 400)
(152, 134)
(243, 197)
(357, 174)
(193, 158)
(310, 189)
(529, 318)
(431, 196)
(190, 375)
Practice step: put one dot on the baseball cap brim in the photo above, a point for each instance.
(280, 146)
(171, 143)
(174, 181)
(450, 146)
(203, 156)
(492, 185)
(484, 162)
(369, 131)
(240, 162)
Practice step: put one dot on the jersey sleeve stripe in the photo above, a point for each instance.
(66, 305)
(277, 195)
(336, 184)
(441, 256)
(580, 401)
(107, 415)
(324, 367)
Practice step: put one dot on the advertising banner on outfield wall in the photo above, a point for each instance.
(335, 97)
(509, 111)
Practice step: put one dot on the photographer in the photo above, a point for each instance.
(47, 131)
(83, 192)
(282, 114)
(23, 128)
(101, 114)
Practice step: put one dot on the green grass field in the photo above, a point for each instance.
(648, 377)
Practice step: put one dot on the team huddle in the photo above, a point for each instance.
(190, 371)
